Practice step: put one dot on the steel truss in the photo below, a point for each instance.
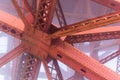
(109, 57)
(87, 25)
(44, 14)
(27, 67)
(93, 37)
(54, 69)
(11, 55)
(41, 44)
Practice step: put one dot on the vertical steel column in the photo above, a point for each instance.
(60, 15)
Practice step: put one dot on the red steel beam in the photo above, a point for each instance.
(11, 55)
(87, 25)
(80, 62)
(27, 67)
(64, 52)
(49, 76)
(54, 68)
(60, 14)
(10, 19)
(27, 6)
(114, 4)
(22, 15)
(110, 57)
(44, 14)
(7, 26)
(57, 68)
(11, 30)
(93, 37)
(17, 30)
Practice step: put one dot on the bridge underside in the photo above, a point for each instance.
(59, 40)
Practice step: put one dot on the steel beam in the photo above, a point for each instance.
(11, 55)
(80, 62)
(54, 69)
(114, 4)
(34, 38)
(49, 75)
(27, 67)
(22, 15)
(17, 30)
(87, 25)
(11, 30)
(110, 57)
(7, 26)
(10, 19)
(95, 34)
(57, 69)
(27, 7)
(60, 14)
(93, 37)
(44, 14)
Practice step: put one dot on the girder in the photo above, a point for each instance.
(11, 30)
(81, 62)
(8, 19)
(35, 39)
(39, 44)
(27, 67)
(60, 14)
(22, 12)
(93, 37)
(54, 69)
(7, 26)
(114, 4)
(33, 46)
(44, 14)
(110, 57)
(87, 25)
(17, 30)
(11, 55)
(27, 6)
(49, 76)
